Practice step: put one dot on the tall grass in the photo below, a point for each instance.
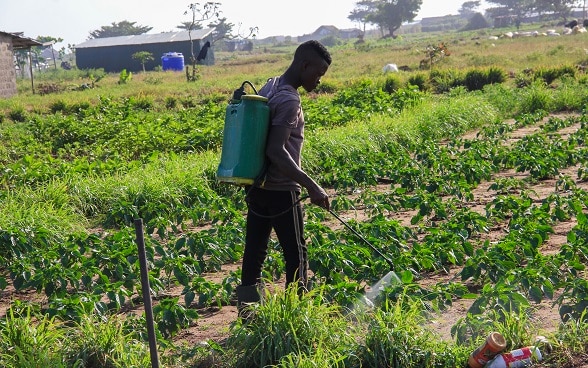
(28, 340)
(104, 343)
(395, 337)
(286, 326)
(45, 213)
(292, 331)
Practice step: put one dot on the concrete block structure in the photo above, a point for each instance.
(8, 43)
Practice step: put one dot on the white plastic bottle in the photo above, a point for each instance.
(517, 358)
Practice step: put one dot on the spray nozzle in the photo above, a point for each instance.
(238, 93)
(241, 91)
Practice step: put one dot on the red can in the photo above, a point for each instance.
(495, 343)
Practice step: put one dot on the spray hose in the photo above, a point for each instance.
(241, 90)
(379, 252)
(277, 214)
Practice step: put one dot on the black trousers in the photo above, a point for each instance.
(278, 210)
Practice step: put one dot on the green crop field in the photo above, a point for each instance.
(470, 173)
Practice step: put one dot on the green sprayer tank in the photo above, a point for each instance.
(244, 139)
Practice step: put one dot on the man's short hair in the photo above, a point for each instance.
(313, 47)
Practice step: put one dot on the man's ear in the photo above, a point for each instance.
(305, 64)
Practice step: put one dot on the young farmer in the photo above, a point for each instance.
(273, 203)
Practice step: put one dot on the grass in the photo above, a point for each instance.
(288, 330)
(31, 339)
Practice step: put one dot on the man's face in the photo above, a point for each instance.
(312, 72)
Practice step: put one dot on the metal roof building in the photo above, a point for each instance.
(114, 54)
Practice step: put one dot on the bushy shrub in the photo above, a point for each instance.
(58, 105)
(419, 80)
(495, 75)
(536, 98)
(170, 102)
(549, 75)
(142, 103)
(474, 80)
(392, 83)
(18, 114)
(79, 107)
(326, 87)
(444, 80)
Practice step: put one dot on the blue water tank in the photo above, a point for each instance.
(173, 61)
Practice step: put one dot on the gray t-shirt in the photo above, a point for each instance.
(285, 110)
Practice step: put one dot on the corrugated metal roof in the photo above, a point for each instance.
(146, 38)
(21, 42)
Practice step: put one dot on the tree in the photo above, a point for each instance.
(143, 57)
(124, 28)
(189, 26)
(469, 8)
(477, 21)
(46, 41)
(211, 12)
(518, 8)
(222, 29)
(361, 12)
(390, 14)
(562, 8)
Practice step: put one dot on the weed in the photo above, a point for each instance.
(284, 324)
(18, 114)
(420, 80)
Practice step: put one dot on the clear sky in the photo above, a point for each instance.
(73, 20)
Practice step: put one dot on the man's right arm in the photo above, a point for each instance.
(279, 156)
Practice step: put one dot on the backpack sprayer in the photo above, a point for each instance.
(244, 138)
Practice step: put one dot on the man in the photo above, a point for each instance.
(274, 201)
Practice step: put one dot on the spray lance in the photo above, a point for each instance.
(391, 278)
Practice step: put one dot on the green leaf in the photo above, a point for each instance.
(536, 294)
(576, 265)
(181, 276)
(467, 272)
(548, 289)
(406, 277)
(189, 298)
(519, 300)
(18, 282)
(468, 248)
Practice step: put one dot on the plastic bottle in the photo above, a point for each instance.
(495, 343)
(517, 358)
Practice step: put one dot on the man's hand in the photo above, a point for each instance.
(320, 198)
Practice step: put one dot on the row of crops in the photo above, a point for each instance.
(108, 164)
